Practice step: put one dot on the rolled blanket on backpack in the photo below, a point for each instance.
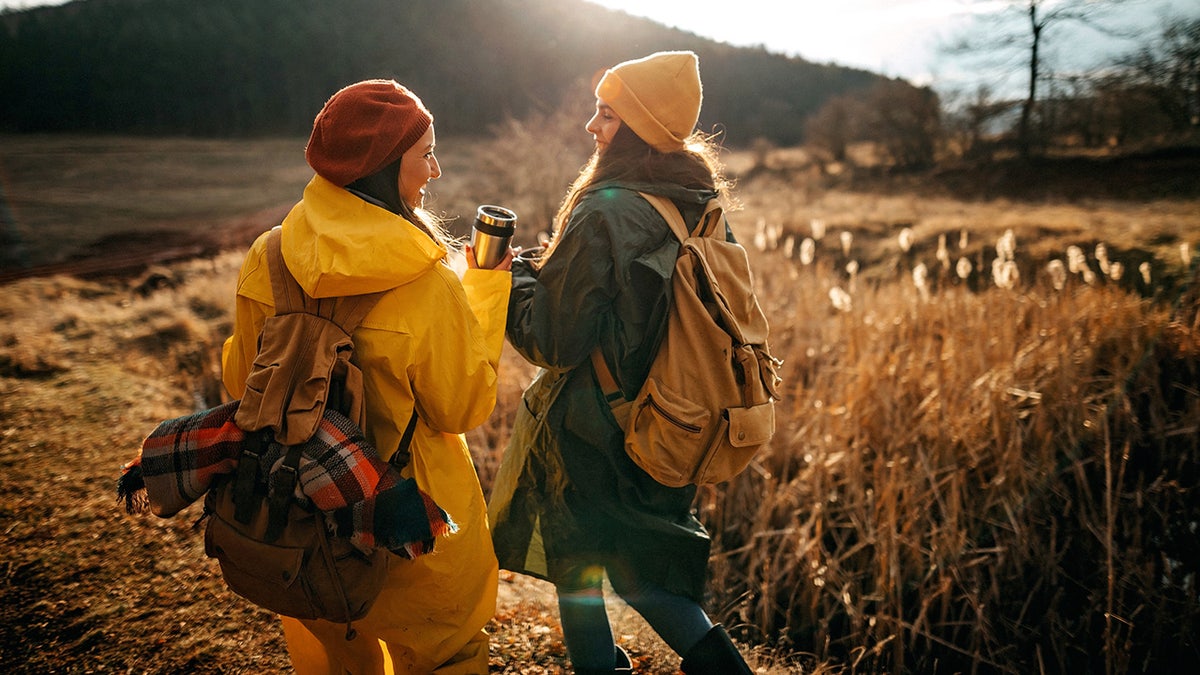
(181, 458)
(340, 474)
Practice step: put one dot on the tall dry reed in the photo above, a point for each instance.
(1001, 481)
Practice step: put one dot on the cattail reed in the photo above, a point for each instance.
(840, 299)
(1076, 260)
(1102, 260)
(920, 277)
(1058, 273)
(1116, 270)
(943, 254)
(963, 268)
(808, 251)
(817, 227)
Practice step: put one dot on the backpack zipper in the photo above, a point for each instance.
(692, 428)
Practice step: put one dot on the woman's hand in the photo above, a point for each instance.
(504, 265)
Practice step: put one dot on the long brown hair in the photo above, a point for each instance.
(627, 158)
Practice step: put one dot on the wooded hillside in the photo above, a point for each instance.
(237, 68)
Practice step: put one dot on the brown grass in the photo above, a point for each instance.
(980, 480)
(970, 484)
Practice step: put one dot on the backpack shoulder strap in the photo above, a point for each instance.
(604, 377)
(347, 312)
(289, 297)
(670, 213)
(667, 209)
(712, 221)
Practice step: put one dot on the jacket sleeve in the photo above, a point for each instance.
(555, 314)
(455, 363)
(487, 294)
(240, 348)
(251, 310)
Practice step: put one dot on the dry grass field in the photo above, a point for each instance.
(987, 456)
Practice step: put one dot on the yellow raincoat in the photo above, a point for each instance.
(433, 339)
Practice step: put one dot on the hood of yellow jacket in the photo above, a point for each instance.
(336, 244)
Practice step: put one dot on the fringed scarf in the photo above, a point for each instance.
(340, 474)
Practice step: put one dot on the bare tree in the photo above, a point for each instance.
(834, 126)
(971, 118)
(905, 121)
(1169, 70)
(530, 162)
(1039, 18)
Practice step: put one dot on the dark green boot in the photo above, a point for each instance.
(623, 665)
(715, 654)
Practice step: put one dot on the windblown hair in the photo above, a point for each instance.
(384, 186)
(627, 158)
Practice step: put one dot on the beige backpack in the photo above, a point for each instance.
(302, 513)
(273, 551)
(708, 403)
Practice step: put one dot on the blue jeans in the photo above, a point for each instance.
(678, 620)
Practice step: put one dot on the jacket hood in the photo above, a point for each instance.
(336, 244)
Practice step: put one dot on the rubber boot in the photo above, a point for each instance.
(715, 654)
(623, 665)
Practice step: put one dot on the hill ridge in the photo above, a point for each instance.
(226, 68)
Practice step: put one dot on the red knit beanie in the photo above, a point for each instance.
(363, 128)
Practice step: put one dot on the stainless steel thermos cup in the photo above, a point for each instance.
(491, 234)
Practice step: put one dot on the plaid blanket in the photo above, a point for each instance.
(340, 474)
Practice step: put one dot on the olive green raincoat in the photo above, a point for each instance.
(433, 341)
(566, 495)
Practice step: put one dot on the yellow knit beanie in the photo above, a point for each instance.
(658, 97)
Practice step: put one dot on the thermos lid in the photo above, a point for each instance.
(495, 220)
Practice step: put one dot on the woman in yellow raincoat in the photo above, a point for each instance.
(432, 343)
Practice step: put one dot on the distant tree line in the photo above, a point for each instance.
(1145, 100)
(240, 68)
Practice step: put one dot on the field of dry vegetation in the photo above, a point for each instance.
(987, 458)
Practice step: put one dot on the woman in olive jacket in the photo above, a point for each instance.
(432, 343)
(568, 504)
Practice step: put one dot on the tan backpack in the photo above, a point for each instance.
(302, 512)
(273, 551)
(708, 403)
